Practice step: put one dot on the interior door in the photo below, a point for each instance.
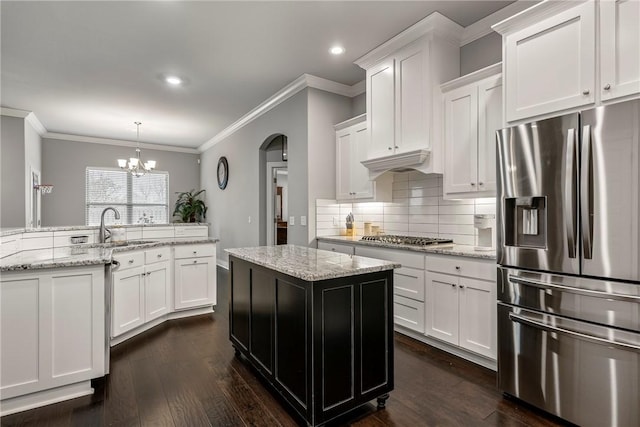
(610, 191)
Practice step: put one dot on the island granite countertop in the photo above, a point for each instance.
(446, 249)
(85, 254)
(310, 264)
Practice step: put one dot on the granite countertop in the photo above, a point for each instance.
(12, 231)
(448, 249)
(310, 264)
(86, 254)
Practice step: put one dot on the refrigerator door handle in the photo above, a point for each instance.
(570, 217)
(579, 335)
(573, 290)
(586, 196)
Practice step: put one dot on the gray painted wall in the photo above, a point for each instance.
(480, 53)
(32, 159)
(12, 161)
(359, 104)
(64, 165)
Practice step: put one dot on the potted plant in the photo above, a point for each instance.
(189, 207)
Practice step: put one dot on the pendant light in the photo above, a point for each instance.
(135, 166)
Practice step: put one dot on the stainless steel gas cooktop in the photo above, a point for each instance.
(407, 240)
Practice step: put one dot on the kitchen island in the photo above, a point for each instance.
(316, 325)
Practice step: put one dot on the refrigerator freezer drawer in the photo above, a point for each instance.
(586, 374)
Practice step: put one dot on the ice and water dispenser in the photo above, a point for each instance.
(526, 222)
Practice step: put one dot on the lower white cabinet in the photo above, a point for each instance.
(195, 276)
(52, 326)
(336, 247)
(127, 300)
(157, 286)
(462, 310)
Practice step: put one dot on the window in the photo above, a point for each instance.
(138, 199)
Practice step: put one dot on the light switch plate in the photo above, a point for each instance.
(292, 220)
(303, 220)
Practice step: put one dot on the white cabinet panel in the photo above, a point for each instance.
(477, 318)
(127, 300)
(409, 283)
(408, 313)
(352, 178)
(412, 108)
(157, 232)
(336, 247)
(550, 65)
(442, 310)
(195, 282)
(344, 143)
(191, 231)
(157, 290)
(380, 108)
(193, 251)
(461, 140)
(620, 48)
(157, 255)
(489, 121)
(19, 326)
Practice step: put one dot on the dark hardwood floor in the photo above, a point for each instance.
(184, 373)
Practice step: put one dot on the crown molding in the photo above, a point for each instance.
(302, 82)
(435, 23)
(535, 14)
(491, 70)
(36, 124)
(28, 116)
(117, 142)
(350, 122)
(13, 112)
(482, 27)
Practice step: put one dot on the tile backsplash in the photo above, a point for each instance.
(417, 209)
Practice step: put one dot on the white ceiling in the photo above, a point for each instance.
(93, 68)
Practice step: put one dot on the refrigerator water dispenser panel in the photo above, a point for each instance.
(526, 222)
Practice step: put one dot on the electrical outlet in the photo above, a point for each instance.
(249, 220)
(303, 220)
(292, 220)
(335, 220)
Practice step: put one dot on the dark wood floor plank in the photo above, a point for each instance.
(184, 373)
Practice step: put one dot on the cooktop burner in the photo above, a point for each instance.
(406, 240)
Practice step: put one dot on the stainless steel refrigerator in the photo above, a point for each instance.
(569, 264)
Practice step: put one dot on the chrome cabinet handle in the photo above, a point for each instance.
(570, 185)
(457, 268)
(195, 261)
(586, 92)
(539, 325)
(396, 147)
(130, 261)
(607, 86)
(195, 252)
(389, 148)
(586, 189)
(159, 255)
(461, 286)
(473, 184)
(453, 285)
(481, 183)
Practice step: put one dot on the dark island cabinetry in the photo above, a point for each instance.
(325, 346)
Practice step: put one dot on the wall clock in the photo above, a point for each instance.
(223, 172)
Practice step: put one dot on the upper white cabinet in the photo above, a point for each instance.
(619, 48)
(550, 60)
(403, 78)
(352, 178)
(472, 114)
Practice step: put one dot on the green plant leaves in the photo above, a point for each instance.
(189, 208)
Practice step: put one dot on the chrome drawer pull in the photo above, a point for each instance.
(159, 255)
(571, 289)
(530, 322)
(130, 261)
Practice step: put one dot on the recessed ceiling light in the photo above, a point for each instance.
(337, 50)
(173, 80)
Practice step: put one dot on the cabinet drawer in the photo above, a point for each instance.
(157, 255)
(191, 231)
(409, 283)
(129, 259)
(408, 313)
(336, 247)
(40, 240)
(406, 258)
(194, 251)
(134, 233)
(157, 232)
(462, 267)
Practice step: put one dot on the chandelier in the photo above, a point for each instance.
(135, 166)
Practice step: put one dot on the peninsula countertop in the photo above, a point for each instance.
(85, 254)
(310, 264)
(447, 249)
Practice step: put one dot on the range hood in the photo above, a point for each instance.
(400, 162)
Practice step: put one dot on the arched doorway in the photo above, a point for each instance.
(274, 156)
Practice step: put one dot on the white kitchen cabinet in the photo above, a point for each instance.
(352, 178)
(52, 343)
(403, 77)
(336, 247)
(461, 303)
(157, 290)
(619, 48)
(472, 114)
(195, 276)
(127, 303)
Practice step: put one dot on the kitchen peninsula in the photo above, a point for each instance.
(317, 325)
(63, 304)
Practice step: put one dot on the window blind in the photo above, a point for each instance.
(138, 199)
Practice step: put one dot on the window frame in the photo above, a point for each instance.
(129, 196)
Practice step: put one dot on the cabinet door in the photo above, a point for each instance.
(461, 140)
(620, 48)
(489, 121)
(442, 303)
(157, 296)
(361, 185)
(408, 313)
(344, 143)
(550, 66)
(128, 300)
(195, 282)
(478, 316)
(380, 109)
(412, 98)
